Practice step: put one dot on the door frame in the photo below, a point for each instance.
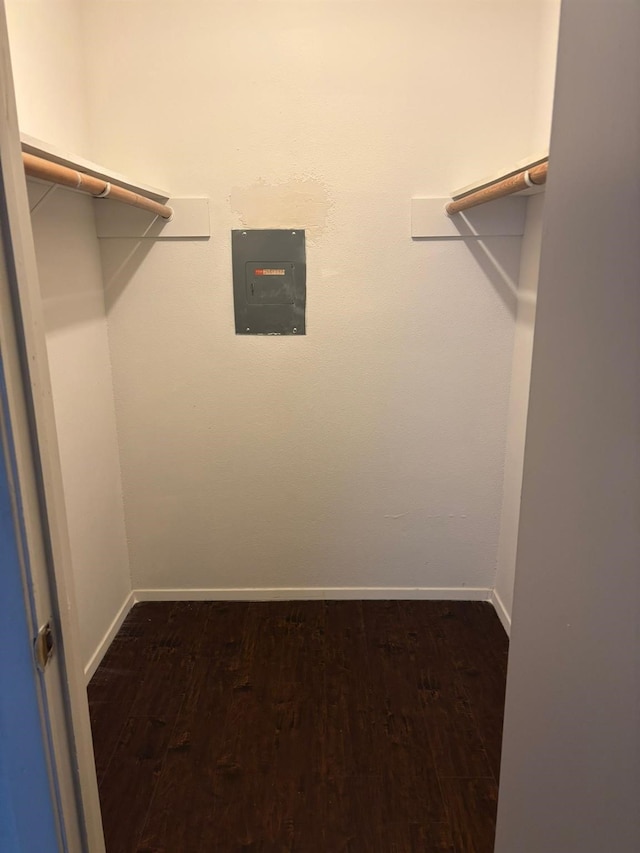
(27, 783)
(40, 495)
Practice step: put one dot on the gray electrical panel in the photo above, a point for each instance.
(269, 281)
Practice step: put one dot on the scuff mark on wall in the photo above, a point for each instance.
(296, 203)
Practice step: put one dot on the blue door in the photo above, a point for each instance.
(27, 822)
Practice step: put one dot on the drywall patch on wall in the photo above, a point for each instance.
(296, 203)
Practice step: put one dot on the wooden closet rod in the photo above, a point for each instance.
(38, 167)
(536, 176)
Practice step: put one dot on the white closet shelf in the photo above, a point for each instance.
(467, 212)
(162, 216)
(39, 148)
(490, 180)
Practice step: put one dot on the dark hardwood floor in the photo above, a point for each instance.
(314, 727)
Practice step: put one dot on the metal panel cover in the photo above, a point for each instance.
(269, 281)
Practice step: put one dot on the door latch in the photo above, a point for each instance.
(43, 646)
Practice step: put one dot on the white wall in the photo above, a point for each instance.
(369, 453)
(570, 777)
(518, 406)
(73, 300)
(46, 46)
(505, 577)
(46, 42)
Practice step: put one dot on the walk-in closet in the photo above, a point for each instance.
(277, 269)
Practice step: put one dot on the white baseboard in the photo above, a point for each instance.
(462, 593)
(103, 645)
(340, 593)
(501, 610)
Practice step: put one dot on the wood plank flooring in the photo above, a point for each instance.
(301, 727)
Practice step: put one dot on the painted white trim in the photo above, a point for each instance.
(105, 642)
(501, 610)
(462, 593)
(341, 593)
